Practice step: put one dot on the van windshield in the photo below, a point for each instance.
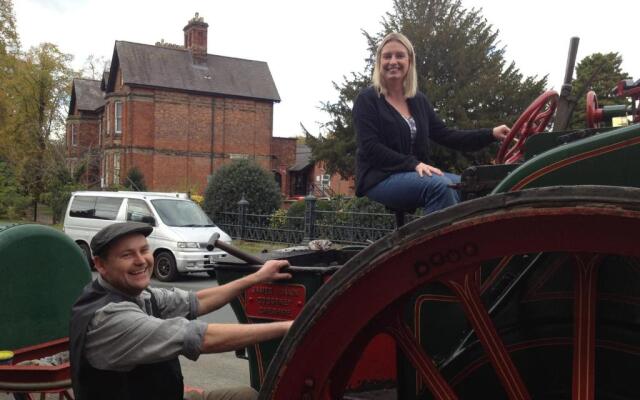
(181, 213)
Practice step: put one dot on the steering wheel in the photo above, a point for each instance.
(532, 121)
(594, 114)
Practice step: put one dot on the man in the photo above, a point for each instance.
(125, 337)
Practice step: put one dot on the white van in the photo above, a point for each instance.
(179, 238)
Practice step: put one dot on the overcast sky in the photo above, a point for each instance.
(309, 44)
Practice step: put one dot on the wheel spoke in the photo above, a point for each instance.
(420, 360)
(584, 331)
(468, 293)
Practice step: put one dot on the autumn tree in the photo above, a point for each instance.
(40, 90)
(9, 49)
(461, 68)
(601, 73)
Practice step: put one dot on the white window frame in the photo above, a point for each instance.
(74, 135)
(117, 115)
(116, 168)
(325, 181)
(108, 120)
(105, 175)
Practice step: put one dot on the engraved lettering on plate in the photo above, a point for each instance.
(274, 301)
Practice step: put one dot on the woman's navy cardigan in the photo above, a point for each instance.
(384, 139)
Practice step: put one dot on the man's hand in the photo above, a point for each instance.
(270, 271)
(501, 132)
(423, 169)
(212, 298)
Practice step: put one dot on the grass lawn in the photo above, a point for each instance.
(257, 247)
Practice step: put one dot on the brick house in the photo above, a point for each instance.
(306, 176)
(176, 113)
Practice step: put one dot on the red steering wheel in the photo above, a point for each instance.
(594, 114)
(532, 121)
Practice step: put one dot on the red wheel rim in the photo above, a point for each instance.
(364, 297)
(594, 114)
(531, 122)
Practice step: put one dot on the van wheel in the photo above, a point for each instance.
(87, 253)
(164, 267)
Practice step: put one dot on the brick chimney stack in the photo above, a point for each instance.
(195, 38)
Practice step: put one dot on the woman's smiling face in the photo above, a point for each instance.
(394, 61)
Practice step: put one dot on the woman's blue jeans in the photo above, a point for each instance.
(408, 191)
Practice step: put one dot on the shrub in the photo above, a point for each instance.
(242, 178)
(13, 204)
(135, 180)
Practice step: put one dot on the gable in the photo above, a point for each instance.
(86, 95)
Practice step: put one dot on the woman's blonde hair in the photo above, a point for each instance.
(410, 83)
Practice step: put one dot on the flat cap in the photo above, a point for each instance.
(107, 235)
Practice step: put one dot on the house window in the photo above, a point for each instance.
(325, 180)
(116, 169)
(100, 132)
(103, 181)
(108, 121)
(74, 135)
(118, 117)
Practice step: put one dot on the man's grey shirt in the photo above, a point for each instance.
(125, 334)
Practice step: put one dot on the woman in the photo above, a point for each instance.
(393, 122)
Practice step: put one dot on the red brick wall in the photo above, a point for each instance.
(168, 136)
(338, 185)
(171, 136)
(87, 144)
(284, 157)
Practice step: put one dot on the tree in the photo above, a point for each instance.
(9, 42)
(601, 73)
(338, 148)
(94, 67)
(135, 180)
(460, 67)
(9, 48)
(59, 181)
(12, 203)
(39, 94)
(242, 179)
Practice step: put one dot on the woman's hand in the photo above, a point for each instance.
(501, 132)
(423, 169)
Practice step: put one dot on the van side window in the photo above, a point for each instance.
(138, 211)
(107, 208)
(83, 207)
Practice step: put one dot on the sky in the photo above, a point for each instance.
(308, 45)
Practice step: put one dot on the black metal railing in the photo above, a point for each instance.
(336, 226)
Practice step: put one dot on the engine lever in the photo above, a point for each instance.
(244, 256)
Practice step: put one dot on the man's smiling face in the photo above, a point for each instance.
(128, 264)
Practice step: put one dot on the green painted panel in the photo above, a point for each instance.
(312, 278)
(610, 158)
(42, 272)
